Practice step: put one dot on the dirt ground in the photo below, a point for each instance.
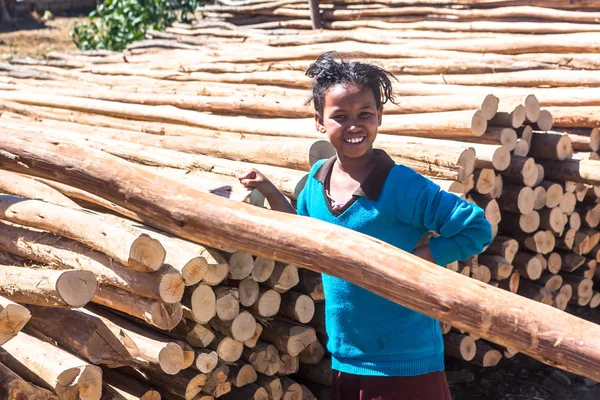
(35, 38)
(520, 378)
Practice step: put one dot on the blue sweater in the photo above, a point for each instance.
(369, 335)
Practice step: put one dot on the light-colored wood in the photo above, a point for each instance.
(202, 300)
(554, 263)
(267, 304)
(522, 170)
(553, 219)
(264, 357)
(187, 384)
(240, 264)
(62, 253)
(486, 355)
(297, 306)
(567, 203)
(241, 328)
(206, 360)
(272, 384)
(484, 180)
(13, 318)
(288, 337)
(248, 291)
(139, 252)
(229, 350)
(47, 287)
(503, 246)
(162, 315)
(242, 374)
(227, 303)
(217, 383)
(263, 268)
(539, 198)
(528, 265)
(195, 334)
(93, 179)
(511, 284)
(500, 267)
(23, 186)
(284, 277)
(251, 343)
(68, 376)
(288, 364)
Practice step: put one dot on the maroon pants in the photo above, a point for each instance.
(432, 386)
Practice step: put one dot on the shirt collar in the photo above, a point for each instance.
(372, 186)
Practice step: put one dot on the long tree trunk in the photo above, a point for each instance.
(13, 387)
(205, 225)
(47, 365)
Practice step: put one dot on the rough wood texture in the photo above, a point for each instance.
(13, 387)
(204, 225)
(13, 318)
(68, 376)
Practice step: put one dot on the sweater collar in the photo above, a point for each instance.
(372, 186)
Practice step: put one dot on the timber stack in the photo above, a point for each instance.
(129, 307)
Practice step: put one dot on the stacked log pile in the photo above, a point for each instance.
(199, 105)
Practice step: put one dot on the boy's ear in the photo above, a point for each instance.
(319, 122)
(379, 115)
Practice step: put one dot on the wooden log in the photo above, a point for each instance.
(505, 247)
(162, 315)
(574, 221)
(241, 328)
(267, 304)
(461, 347)
(87, 335)
(582, 287)
(140, 253)
(551, 282)
(310, 284)
(272, 385)
(263, 357)
(195, 334)
(288, 364)
(13, 318)
(227, 303)
(297, 306)
(554, 263)
(540, 242)
(500, 268)
(242, 374)
(206, 360)
(288, 337)
(126, 387)
(93, 179)
(535, 292)
(240, 264)
(522, 170)
(595, 301)
(217, 383)
(509, 119)
(567, 203)
(228, 349)
(553, 219)
(202, 301)
(13, 386)
(591, 215)
(554, 193)
(251, 343)
(490, 208)
(46, 287)
(550, 145)
(313, 354)
(186, 384)
(511, 284)
(22, 186)
(587, 270)
(263, 268)
(283, 278)
(507, 137)
(291, 389)
(584, 171)
(319, 373)
(248, 290)
(250, 392)
(486, 355)
(62, 253)
(484, 180)
(68, 376)
(528, 265)
(539, 198)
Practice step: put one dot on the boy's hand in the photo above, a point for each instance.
(255, 179)
(424, 253)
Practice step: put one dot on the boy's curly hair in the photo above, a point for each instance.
(331, 69)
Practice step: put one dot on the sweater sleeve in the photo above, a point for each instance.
(462, 226)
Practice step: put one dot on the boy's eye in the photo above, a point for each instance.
(339, 116)
(365, 114)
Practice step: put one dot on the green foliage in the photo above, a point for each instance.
(116, 23)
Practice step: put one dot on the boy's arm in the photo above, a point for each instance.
(255, 179)
(462, 226)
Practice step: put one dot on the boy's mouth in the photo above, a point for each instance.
(355, 140)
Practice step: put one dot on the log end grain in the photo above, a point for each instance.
(194, 270)
(478, 123)
(171, 287)
(489, 106)
(171, 359)
(146, 254)
(203, 304)
(243, 326)
(76, 288)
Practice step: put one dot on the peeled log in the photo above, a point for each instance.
(22, 186)
(140, 253)
(63, 253)
(69, 376)
(205, 225)
(13, 318)
(46, 287)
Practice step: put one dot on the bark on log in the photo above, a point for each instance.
(13, 387)
(128, 387)
(551, 146)
(264, 357)
(228, 349)
(522, 170)
(310, 284)
(163, 316)
(505, 247)
(141, 253)
(195, 334)
(461, 347)
(13, 318)
(313, 354)
(486, 355)
(22, 186)
(251, 343)
(272, 384)
(297, 306)
(95, 179)
(242, 374)
(68, 376)
(241, 328)
(287, 337)
(250, 392)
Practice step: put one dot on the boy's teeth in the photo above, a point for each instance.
(355, 140)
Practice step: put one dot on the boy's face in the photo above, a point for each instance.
(350, 119)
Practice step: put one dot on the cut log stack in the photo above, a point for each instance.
(201, 104)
